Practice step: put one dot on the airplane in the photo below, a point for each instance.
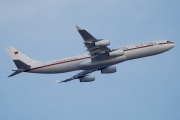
(100, 58)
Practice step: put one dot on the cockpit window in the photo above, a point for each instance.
(168, 41)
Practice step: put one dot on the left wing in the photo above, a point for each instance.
(78, 76)
(97, 48)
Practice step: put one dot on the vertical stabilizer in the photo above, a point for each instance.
(21, 60)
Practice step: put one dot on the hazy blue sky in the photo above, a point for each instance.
(142, 89)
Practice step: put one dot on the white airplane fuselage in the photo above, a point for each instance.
(83, 62)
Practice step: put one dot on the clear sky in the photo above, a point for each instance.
(141, 89)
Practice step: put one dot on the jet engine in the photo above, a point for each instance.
(102, 43)
(110, 69)
(116, 53)
(87, 78)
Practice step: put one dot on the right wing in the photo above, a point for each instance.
(97, 52)
(77, 76)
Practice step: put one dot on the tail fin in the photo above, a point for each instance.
(21, 60)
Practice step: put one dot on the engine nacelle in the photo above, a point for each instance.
(87, 78)
(110, 69)
(116, 53)
(102, 43)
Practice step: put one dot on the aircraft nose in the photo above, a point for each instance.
(172, 45)
(169, 45)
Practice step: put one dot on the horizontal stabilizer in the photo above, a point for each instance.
(16, 72)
